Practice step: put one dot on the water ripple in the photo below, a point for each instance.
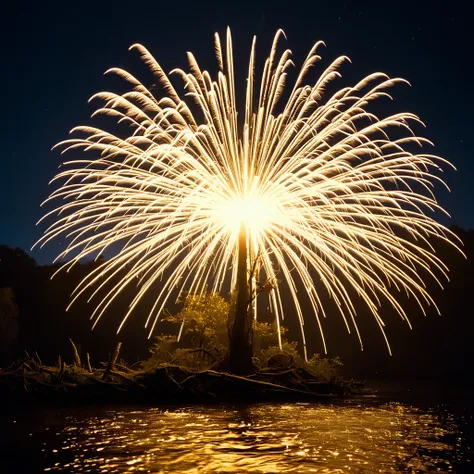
(262, 438)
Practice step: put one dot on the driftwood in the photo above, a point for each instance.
(62, 368)
(75, 355)
(88, 363)
(112, 360)
(28, 379)
(115, 355)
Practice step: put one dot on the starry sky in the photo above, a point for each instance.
(54, 55)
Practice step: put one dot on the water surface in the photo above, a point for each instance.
(371, 434)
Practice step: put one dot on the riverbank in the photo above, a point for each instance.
(28, 380)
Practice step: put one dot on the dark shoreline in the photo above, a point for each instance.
(29, 383)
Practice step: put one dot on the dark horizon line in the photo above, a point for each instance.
(452, 227)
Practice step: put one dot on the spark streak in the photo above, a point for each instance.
(327, 190)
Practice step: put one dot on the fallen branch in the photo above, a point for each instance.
(75, 355)
(112, 360)
(88, 363)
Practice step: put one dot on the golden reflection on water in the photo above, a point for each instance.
(264, 438)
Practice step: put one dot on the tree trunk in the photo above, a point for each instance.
(241, 332)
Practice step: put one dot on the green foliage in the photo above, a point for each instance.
(204, 321)
(288, 351)
(204, 341)
(199, 359)
(265, 335)
(323, 367)
(161, 352)
(204, 335)
(320, 367)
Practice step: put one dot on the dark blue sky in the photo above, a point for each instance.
(54, 54)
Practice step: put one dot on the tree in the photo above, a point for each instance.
(241, 322)
(8, 322)
(203, 334)
(204, 323)
(241, 316)
(203, 320)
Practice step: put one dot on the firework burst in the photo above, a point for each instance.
(326, 189)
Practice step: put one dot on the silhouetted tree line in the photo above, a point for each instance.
(33, 317)
(44, 325)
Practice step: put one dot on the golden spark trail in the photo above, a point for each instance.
(326, 189)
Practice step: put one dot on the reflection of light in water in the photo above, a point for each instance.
(259, 438)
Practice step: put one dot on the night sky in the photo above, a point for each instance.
(54, 54)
